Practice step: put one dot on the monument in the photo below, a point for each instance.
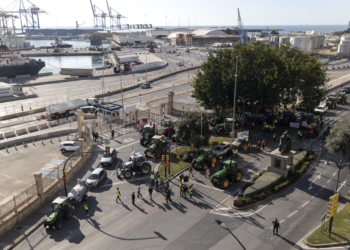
(282, 157)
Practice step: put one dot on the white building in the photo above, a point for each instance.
(305, 43)
(8, 90)
(344, 45)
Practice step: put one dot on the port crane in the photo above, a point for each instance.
(99, 18)
(114, 17)
(78, 25)
(242, 33)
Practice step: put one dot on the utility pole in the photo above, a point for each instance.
(121, 91)
(166, 21)
(234, 101)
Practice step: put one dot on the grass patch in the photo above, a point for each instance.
(176, 164)
(340, 229)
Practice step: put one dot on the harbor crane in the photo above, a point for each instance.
(99, 19)
(4, 22)
(29, 17)
(78, 25)
(114, 17)
(242, 33)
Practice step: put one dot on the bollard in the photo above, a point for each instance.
(67, 138)
(59, 139)
(42, 142)
(15, 146)
(7, 149)
(51, 140)
(33, 143)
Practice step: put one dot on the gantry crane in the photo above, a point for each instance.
(99, 19)
(4, 23)
(114, 18)
(242, 33)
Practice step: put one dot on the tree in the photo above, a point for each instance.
(268, 76)
(338, 141)
(189, 129)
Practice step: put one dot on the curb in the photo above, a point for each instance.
(26, 233)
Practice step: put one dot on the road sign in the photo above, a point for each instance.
(96, 124)
(140, 94)
(63, 178)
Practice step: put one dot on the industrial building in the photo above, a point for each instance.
(201, 37)
(344, 45)
(132, 38)
(305, 43)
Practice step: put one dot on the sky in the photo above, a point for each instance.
(64, 13)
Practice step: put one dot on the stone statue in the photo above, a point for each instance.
(285, 144)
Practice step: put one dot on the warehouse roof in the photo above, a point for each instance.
(208, 32)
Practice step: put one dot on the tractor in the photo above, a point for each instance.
(61, 208)
(229, 173)
(342, 98)
(204, 159)
(312, 130)
(214, 121)
(288, 116)
(157, 147)
(224, 128)
(332, 101)
(169, 128)
(137, 164)
(147, 133)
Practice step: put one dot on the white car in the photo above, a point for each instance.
(96, 178)
(321, 109)
(221, 149)
(68, 146)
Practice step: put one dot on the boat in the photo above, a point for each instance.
(12, 63)
(57, 44)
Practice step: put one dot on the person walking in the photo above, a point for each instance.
(138, 189)
(190, 190)
(117, 194)
(274, 136)
(253, 125)
(150, 191)
(249, 147)
(133, 198)
(300, 135)
(93, 136)
(190, 171)
(263, 143)
(168, 195)
(152, 179)
(166, 187)
(236, 152)
(112, 133)
(96, 136)
(184, 192)
(86, 207)
(156, 182)
(258, 145)
(207, 172)
(276, 225)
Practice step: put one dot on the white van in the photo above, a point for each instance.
(321, 108)
(88, 109)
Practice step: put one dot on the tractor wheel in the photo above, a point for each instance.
(221, 132)
(142, 141)
(145, 168)
(58, 224)
(157, 154)
(238, 175)
(127, 174)
(225, 183)
(69, 213)
(45, 224)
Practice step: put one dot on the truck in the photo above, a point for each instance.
(127, 58)
(66, 109)
(77, 72)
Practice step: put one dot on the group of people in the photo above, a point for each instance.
(95, 136)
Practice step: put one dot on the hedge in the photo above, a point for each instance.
(264, 182)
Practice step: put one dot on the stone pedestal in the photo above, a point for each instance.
(281, 164)
(170, 102)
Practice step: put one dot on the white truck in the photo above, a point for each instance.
(127, 58)
(66, 109)
(77, 72)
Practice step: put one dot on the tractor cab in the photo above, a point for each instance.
(156, 139)
(138, 160)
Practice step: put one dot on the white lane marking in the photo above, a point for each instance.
(111, 174)
(334, 174)
(15, 178)
(304, 204)
(127, 145)
(4, 153)
(291, 214)
(341, 185)
(2, 195)
(317, 177)
(329, 181)
(129, 140)
(203, 185)
(131, 180)
(314, 196)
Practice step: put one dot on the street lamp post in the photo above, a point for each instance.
(223, 225)
(234, 100)
(339, 166)
(121, 91)
(201, 121)
(244, 100)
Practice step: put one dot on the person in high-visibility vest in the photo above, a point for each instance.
(236, 152)
(190, 191)
(152, 179)
(117, 194)
(86, 207)
(274, 136)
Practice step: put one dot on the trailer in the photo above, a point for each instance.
(69, 108)
(77, 72)
(127, 58)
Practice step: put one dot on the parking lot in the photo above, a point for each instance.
(17, 166)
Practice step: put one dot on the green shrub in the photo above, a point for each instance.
(256, 177)
(187, 157)
(311, 157)
(262, 172)
(246, 185)
(260, 196)
(246, 200)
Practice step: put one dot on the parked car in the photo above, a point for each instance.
(239, 142)
(321, 108)
(180, 64)
(68, 146)
(269, 117)
(108, 159)
(96, 177)
(346, 90)
(145, 85)
(221, 149)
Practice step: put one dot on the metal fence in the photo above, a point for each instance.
(20, 200)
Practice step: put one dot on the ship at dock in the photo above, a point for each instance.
(12, 63)
(57, 44)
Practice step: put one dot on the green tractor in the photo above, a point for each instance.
(342, 98)
(157, 147)
(224, 128)
(214, 121)
(204, 158)
(332, 101)
(147, 133)
(61, 208)
(229, 173)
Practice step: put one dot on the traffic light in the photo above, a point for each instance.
(332, 205)
(133, 116)
(108, 150)
(167, 158)
(65, 174)
(163, 158)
